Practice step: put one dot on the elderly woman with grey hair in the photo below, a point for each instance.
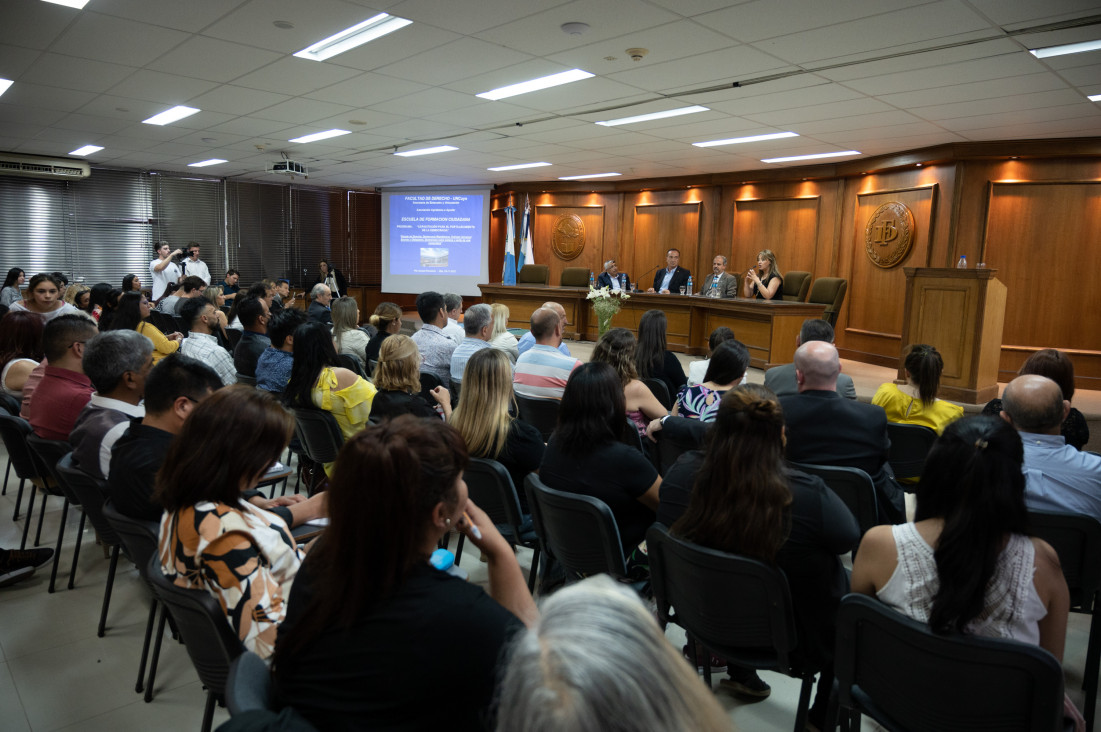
(597, 660)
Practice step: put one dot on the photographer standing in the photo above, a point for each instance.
(163, 270)
(193, 266)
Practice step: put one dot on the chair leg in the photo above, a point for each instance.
(18, 499)
(156, 655)
(804, 703)
(7, 474)
(1090, 673)
(533, 573)
(208, 711)
(30, 512)
(107, 590)
(60, 539)
(41, 515)
(140, 686)
(76, 553)
(459, 548)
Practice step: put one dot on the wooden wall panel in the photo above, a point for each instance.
(546, 217)
(787, 226)
(659, 227)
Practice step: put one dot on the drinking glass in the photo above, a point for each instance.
(683, 289)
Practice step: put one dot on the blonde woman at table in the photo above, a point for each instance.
(764, 281)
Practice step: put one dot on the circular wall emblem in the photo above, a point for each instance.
(568, 236)
(889, 234)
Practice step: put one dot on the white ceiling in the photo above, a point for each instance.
(878, 76)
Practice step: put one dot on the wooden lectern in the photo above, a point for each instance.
(960, 312)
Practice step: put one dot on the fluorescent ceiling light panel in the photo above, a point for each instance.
(653, 116)
(321, 136)
(518, 167)
(426, 151)
(172, 115)
(86, 150)
(1066, 49)
(586, 177)
(78, 4)
(4, 84)
(816, 156)
(205, 163)
(739, 140)
(1094, 97)
(349, 38)
(543, 82)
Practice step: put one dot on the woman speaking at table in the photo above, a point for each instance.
(764, 281)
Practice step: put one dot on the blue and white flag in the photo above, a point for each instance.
(509, 275)
(527, 256)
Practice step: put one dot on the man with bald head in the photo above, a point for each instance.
(528, 339)
(542, 371)
(823, 428)
(1058, 477)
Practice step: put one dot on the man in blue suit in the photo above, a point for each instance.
(612, 278)
(673, 277)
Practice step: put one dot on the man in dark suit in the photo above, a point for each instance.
(319, 311)
(673, 277)
(612, 278)
(727, 286)
(823, 428)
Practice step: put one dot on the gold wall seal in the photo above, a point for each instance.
(889, 234)
(568, 236)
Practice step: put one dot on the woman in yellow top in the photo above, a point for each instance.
(915, 402)
(131, 313)
(318, 381)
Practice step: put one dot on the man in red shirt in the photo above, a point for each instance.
(64, 389)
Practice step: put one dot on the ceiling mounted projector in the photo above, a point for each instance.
(291, 168)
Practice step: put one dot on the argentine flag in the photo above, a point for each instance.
(527, 256)
(509, 275)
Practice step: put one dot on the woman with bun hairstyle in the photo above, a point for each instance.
(387, 319)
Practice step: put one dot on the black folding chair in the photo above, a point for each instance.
(853, 486)
(910, 443)
(490, 486)
(248, 685)
(660, 390)
(48, 453)
(14, 431)
(539, 413)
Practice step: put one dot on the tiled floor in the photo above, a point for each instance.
(56, 674)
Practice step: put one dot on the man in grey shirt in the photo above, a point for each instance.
(781, 379)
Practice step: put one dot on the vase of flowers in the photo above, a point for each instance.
(606, 304)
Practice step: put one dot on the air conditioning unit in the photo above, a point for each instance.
(291, 168)
(32, 166)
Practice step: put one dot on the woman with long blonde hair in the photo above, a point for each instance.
(499, 337)
(398, 380)
(347, 337)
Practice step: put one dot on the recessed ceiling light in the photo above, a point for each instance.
(78, 4)
(816, 156)
(321, 136)
(4, 84)
(585, 177)
(543, 82)
(1091, 97)
(739, 140)
(86, 150)
(518, 167)
(425, 151)
(350, 38)
(654, 115)
(172, 115)
(1065, 49)
(204, 163)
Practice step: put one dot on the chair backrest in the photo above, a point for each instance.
(575, 277)
(1076, 538)
(47, 453)
(428, 383)
(631, 437)
(829, 291)
(533, 274)
(139, 538)
(539, 413)
(796, 286)
(206, 631)
(853, 486)
(246, 379)
(897, 671)
(660, 390)
(319, 434)
(490, 486)
(233, 336)
(910, 443)
(737, 607)
(249, 684)
(10, 404)
(669, 451)
(579, 531)
(90, 492)
(14, 431)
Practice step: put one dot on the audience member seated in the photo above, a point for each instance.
(617, 349)
(387, 318)
(781, 379)
(10, 292)
(273, 368)
(167, 304)
(319, 382)
(131, 283)
(596, 659)
(726, 370)
(191, 288)
(1056, 366)
(253, 312)
(98, 300)
(825, 429)
(20, 350)
(210, 537)
(652, 359)
(697, 369)
(738, 496)
(435, 346)
(131, 314)
(483, 419)
(967, 563)
(585, 454)
(282, 297)
(229, 285)
(528, 339)
(319, 312)
(64, 389)
(43, 298)
(1058, 477)
(398, 381)
(117, 363)
(477, 325)
(347, 336)
(454, 306)
(542, 370)
(915, 402)
(351, 654)
(201, 343)
(257, 290)
(499, 337)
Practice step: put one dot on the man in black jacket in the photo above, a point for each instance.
(673, 277)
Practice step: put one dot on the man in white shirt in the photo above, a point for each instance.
(454, 306)
(195, 267)
(201, 344)
(163, 270)
(435, 346)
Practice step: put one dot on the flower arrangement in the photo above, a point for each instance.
(606, 303)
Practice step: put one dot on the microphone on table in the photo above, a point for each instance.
(652, 269)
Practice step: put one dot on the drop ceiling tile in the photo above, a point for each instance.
(583, 95)
(404, 43)
(14, 60)
(846, 138)
(755, 21)
(70, 72)
(88, 37)
(1071, 127)
(664, 43)
(1015, 12)
(691, 8)
(999, 48)
(91, 124)
(423, 132)
(130, 110)
(728, 65)
(300, 111)
(646, 149)
(251, 23)
(810, 97)
(250, 127)
(453, 61)
(213, 59)
(155, 86)
(431, 101)
(980, 70)
(35, 24)
(1011, 105)
(366, 89)
(873, 121)
(294, 76)
(191, 16)
(788, 118)
(46, 97)
(722, 129)
(1021, 117)
(515, 74)
(485, 114)
(237, 100)
(980, 90)
(1086, 77)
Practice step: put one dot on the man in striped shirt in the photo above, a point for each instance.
(542, 370)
